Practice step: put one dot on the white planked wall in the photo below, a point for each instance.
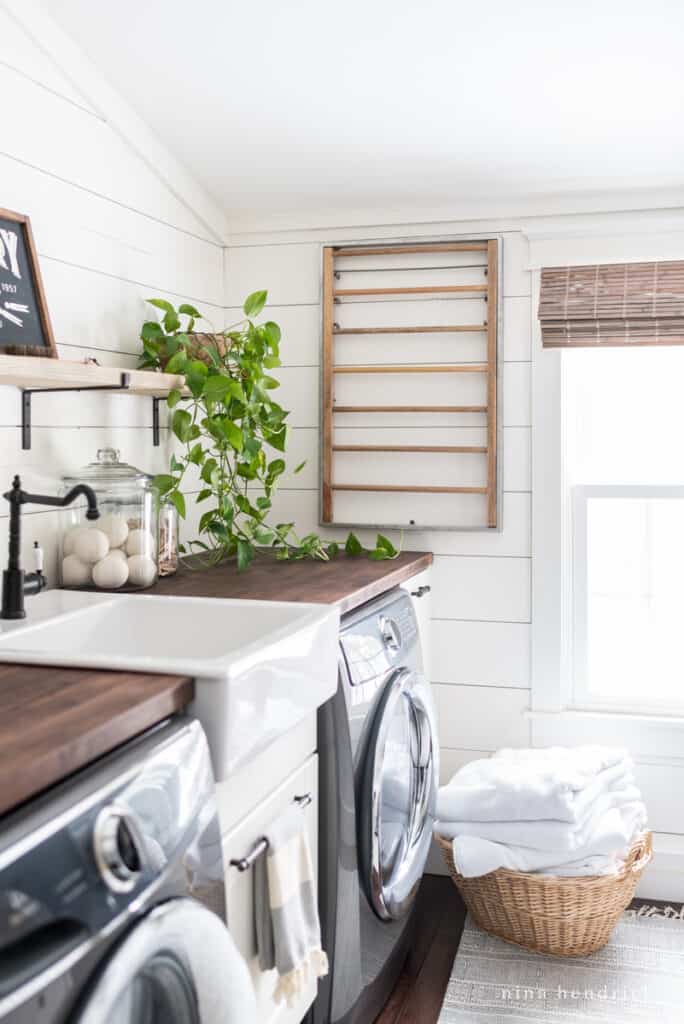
(110, 232)
(480, 630)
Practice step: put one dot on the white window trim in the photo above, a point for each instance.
(554, 719)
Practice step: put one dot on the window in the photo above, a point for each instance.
(622, 484)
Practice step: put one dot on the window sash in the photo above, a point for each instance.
(577, 669)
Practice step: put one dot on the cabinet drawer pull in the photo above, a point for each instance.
(261, 845)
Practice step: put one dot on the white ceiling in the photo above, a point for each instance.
(306, 106)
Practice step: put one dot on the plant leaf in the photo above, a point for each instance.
(177, 362)
(272, 332)
(353, 545)
(385, 544)
(161, 304)
(173, 398)
(163, 482)
(254, 303)
(300, 467)
(179, 501)
(245, 554)
(181, 424)
(151, 331)
(190, 311)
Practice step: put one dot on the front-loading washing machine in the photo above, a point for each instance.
(112, 901)
(378, 764)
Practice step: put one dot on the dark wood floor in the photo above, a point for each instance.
(418, 996)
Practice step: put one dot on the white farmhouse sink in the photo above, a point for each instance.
(260, 667)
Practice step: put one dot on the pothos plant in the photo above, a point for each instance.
(232, 434)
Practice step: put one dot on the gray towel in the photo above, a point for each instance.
(286, 915)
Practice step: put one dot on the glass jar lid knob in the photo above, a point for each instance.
(108, 456)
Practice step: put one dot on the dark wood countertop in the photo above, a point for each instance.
(346, 582)
(55, 721)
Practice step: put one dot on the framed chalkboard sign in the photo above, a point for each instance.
(25, 328)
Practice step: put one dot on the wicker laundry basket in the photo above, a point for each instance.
(550, 914)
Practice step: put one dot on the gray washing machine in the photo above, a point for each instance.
(112, 902)
(378, 762)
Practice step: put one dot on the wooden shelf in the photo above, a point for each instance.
(441, 289)
(450, 329)
(36, 373)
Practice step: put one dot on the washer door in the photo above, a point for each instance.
(179, 965)
(397, 795)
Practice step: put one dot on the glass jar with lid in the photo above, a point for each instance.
(118, 551)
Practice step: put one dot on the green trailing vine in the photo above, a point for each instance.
(233, 435)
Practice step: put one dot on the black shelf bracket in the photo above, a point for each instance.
(28, 393)
(155, 421)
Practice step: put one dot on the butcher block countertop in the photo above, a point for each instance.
(55, 721)
(345, 581)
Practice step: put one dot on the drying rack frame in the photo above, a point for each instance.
(492, 245)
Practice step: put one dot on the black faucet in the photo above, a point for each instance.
(15, 582)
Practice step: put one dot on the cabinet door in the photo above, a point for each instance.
(419, 589)
(237, 843)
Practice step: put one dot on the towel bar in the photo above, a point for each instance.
(261, 845)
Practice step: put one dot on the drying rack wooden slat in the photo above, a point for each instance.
(397, 250)
(430, 329)
(401, 489)
(489, 292)
(460, 449)
(416, 368)
(327, 396)
(492, 278)
(440, 289)
(410, 408)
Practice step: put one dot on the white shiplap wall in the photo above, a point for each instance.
(480, 630)
(110, 232)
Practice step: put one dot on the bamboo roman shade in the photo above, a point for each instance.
(612, 304)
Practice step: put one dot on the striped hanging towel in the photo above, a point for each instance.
(286, 914)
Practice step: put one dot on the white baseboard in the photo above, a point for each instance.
(663, 879)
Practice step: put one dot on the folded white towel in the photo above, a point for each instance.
(552, 835)
(533, 786)
(474, 856)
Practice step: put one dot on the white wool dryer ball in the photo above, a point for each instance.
(140, 542)
(70, 539)
(141, 570)
(75, 573)
(115, 527)
(119, 554)
(91, 545)
(111, 572)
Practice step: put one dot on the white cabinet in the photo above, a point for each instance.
(237, 843)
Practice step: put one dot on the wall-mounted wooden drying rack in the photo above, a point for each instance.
(370, 266)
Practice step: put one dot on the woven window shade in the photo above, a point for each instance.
(612, 304)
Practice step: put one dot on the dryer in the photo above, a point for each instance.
(112, 903)
(378, 763)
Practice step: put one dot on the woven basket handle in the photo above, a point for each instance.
(642, 854)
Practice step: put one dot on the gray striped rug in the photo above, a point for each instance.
(638, 978)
